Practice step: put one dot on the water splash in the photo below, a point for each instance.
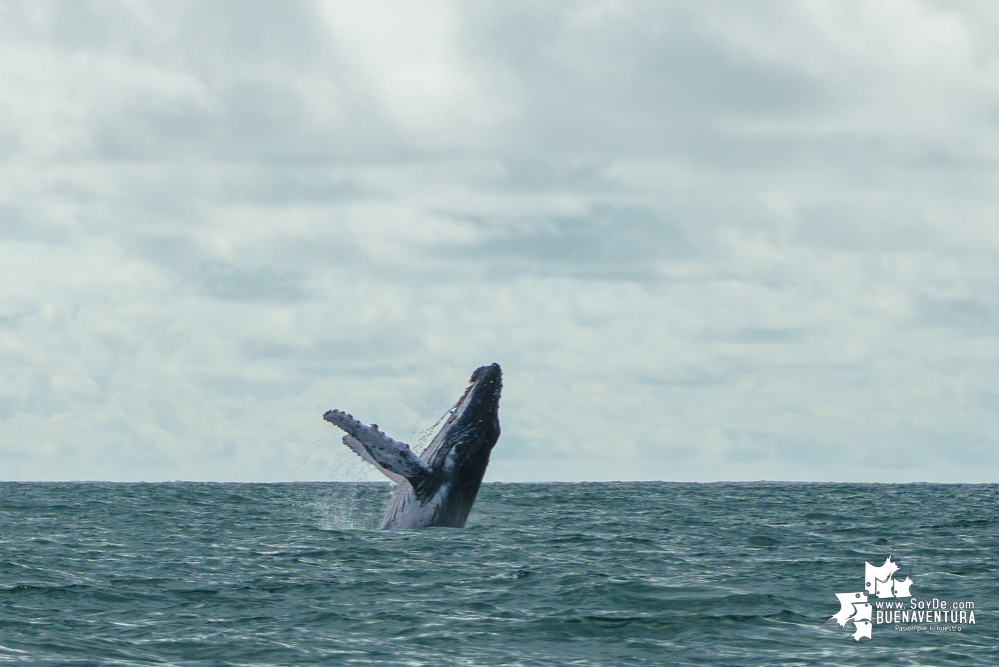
(329, 460)
(424, 436)
(348, 506)
(339, 510)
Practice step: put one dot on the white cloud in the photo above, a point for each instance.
(713, 241)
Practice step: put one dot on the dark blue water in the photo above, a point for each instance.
(545, 574)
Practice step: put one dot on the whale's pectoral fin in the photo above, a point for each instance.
(360, 450)
(390, 456)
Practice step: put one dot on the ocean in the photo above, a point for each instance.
(544, 574)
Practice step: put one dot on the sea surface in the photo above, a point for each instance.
(544, 574)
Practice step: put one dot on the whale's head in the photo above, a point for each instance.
(483, 394)
(460, 452)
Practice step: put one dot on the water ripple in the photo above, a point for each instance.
(545, 574)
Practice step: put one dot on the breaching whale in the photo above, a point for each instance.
(438, 487)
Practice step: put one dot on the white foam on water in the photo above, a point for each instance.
(339, 510)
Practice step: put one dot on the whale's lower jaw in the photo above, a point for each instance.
(447, 508)
(405, 511)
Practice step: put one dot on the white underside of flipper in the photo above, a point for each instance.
(359, 449)
(391, 457)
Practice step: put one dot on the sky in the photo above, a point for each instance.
(705, 240)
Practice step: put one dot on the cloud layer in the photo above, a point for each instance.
(705, 241)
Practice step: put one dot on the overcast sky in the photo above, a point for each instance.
(705, 240)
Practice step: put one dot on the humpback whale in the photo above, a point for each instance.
(438, 487)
